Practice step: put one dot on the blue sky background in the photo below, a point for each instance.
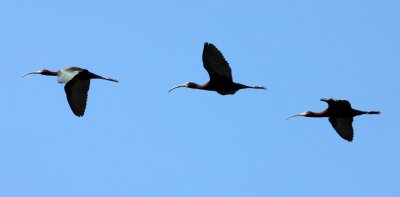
(138, 140)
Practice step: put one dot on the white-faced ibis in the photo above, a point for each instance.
(77, 82)
(340, 116)
(220, 74)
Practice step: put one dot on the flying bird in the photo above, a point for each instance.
(340, 115)
(220, 74)
(77, 82)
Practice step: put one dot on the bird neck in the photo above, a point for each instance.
(49, 73)
(198, 86)
(317, 114)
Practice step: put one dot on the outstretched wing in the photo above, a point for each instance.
(77, 92)
(215, 64)
(343, 127)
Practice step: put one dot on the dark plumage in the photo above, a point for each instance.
(340, 114)
(77, 82)
(220, 74)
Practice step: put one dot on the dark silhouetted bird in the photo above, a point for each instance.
(77, 82)
(220, 74)
(340, 115)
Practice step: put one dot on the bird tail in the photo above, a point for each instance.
(373, 112)
(94, 76)
(110, 79)
(257, 87)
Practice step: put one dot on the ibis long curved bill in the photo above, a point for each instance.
(292, 116)
(179, 86)
(34, 72)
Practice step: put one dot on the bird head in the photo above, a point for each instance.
(42, 72)
(306, 113)
(186, 85)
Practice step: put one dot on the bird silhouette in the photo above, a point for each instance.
(77, 82)
(220, 74)
(340, 114)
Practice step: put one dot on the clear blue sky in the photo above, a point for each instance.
(138, 140)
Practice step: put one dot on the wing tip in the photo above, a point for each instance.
(209, 44)
(349, 139)
(78, 113)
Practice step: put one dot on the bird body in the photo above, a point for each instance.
(340, 114)
(223, 89)
(77, 83)
(219, 72)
